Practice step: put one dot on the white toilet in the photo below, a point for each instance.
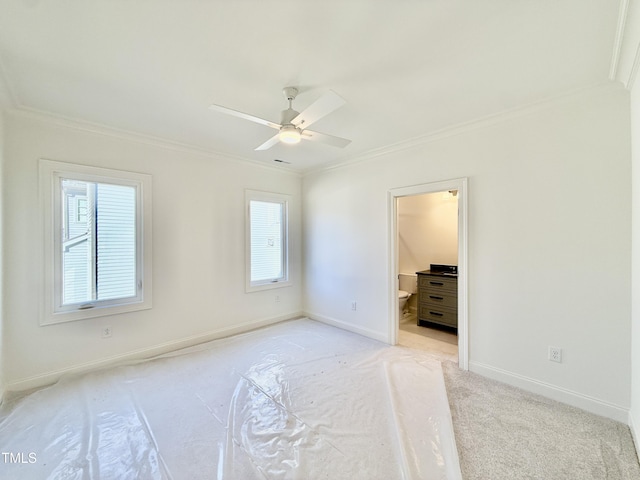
(408, 285)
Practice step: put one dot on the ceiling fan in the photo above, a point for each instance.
(293, 125)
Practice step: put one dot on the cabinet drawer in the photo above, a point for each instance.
(440, 299)
(438, 283)
(438, 315)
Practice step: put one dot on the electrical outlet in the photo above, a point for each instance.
(106, 332)
(277, 298)
(555, 354)
(354, 306)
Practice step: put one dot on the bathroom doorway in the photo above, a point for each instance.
(428, 227)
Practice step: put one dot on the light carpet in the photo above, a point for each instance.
(503, 432)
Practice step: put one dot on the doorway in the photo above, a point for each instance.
(394, 197)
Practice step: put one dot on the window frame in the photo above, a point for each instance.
(284, 200)
(50, 174)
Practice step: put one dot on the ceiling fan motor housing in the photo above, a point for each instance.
(288, 115)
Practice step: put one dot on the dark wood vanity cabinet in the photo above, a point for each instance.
(437, 299)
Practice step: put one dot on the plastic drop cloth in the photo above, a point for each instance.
(298, 400)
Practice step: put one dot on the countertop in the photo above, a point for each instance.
(438, 274)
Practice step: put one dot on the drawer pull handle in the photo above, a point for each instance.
(437, 314)
(436, 283)
(436, 298)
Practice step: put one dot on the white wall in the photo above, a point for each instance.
(634, 418)
(2, 361)
(427, 231)
(549, 243)
(198, 251)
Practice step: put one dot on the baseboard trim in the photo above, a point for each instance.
(575, 399)
(334, 322)
(48, 378)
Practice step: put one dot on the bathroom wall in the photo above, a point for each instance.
(427, 231)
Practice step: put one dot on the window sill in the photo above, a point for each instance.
(267, 286)
(72, 316)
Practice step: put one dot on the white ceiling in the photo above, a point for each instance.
(405, 67)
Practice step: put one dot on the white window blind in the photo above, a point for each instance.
(116, 241)
(267, 240)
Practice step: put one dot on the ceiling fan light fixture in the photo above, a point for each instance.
(289, 134)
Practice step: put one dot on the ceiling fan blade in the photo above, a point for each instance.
(326, 104)
(269, 143)
(246, 116)
(324, 138)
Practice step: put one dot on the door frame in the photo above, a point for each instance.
(459, 184)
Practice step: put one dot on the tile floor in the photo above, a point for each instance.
(440, 343)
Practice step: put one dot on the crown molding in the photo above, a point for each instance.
(634, 69)
(141, 138)
(623, 12)
(471, 125)
(625, 59)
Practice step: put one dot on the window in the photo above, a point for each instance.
(267, 235)
(97, 227)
